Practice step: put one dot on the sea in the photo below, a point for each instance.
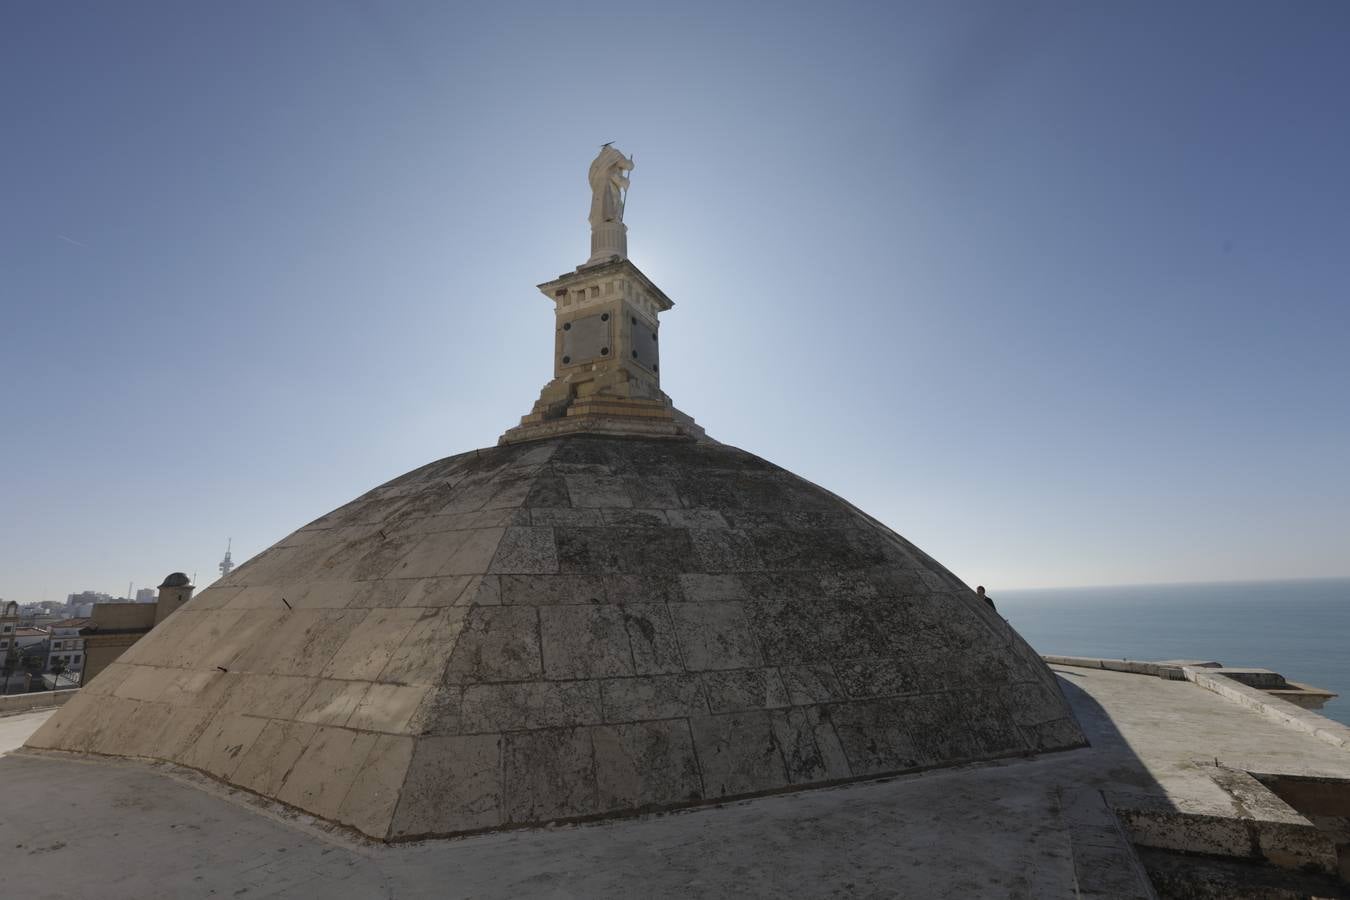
(1301, 629)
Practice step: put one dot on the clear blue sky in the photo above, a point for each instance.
(1057, 290)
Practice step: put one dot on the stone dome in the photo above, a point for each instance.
(569, 629)
(175, 579)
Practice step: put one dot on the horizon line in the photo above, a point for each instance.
(1125, 584)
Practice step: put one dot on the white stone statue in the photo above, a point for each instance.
(609, 185)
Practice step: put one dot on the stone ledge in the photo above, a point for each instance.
(1272, 707)
(1254, 824)
(1274, 703)
(1133, 666)
(1304, 695)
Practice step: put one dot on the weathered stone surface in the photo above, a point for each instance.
(885, 677)
(538, 590)
(449, 553)
(548, 490)
(332, 702)
(969, 725)
(66, 731)
(322, 595)
(443, 591)
(527, 549)
(109, 679)
(425, 651)
(137, 729)
(387, 707)
(631, 589)
(382, 594)
(270, 696)
(519, 706)
(635, 518)
(811, 749)
(301, 642)
(696, 518)
(1059, 734)
(651, 636)
(715, 636)
(566, 629)
(324, 772)
(743, 689)
(811, 684)
(807, 630)
(566, 516)
(180, 733)
(653, 493)
(712, 588)
(1032, 702)
(498, 644)
(549, 774)
(369, 648)
(82, 730)
(598, 491)
(739, 753)
(441, 712)
(482, 590)
(220, 749)
(453, 784)
(874, 736)
(725, 550)
(657, 697)
(645, 764)
(588, 641)
(370, 803)
(634, 552)
(267, 763)
(143, 683)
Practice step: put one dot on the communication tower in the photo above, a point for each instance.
(227, 564)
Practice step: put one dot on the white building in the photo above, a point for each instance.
(9, 622)
(67, 644)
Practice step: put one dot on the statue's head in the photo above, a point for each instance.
(609, 159)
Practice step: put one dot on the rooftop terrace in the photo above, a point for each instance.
(1169, 769)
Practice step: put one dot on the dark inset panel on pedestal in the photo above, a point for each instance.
(587, 339)
(645, 350)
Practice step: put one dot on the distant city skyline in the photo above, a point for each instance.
(91, 595)
(1057, 291)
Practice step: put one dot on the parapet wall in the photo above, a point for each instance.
(20, 703)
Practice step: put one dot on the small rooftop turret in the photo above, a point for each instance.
(174, 592)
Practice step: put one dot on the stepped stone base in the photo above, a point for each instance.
(606, 415)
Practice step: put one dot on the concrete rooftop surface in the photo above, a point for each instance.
(1059, 825)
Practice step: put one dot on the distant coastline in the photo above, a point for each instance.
(1146, 585)
(1298, 627)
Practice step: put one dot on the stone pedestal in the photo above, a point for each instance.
(608, 240)
(606, 359)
